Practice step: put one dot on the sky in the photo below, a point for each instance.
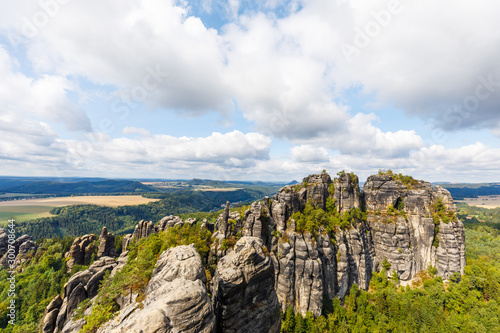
(250, 90)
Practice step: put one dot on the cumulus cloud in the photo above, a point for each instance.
(306, 153)
(135, 130)
(428, 59)
(45, 97)
(152, 51)
(233, 149)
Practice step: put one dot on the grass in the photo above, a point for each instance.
(23, 213)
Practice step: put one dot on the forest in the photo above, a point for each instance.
(79, 220)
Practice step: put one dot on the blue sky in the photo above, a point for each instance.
(250, 90)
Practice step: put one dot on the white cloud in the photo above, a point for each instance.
(45, 97)
(306, 153)
(233, 149)
(135, 130)
(123, 49)
(430, 57)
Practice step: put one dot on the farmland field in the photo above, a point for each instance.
(22, 210)
(485, 201)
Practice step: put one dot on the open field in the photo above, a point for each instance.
(227, 189)
(486, 201)
(22, 210)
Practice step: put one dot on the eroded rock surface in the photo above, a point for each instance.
(17, 252)
(80, 286)
(176, 298)
(244, 297)
(106, 244)
(81, 250)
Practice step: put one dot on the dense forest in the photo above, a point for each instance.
(460, 191)
(84, 219)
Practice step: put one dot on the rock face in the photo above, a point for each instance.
(407, 241)
(267, 261)
(81, 250)
(176, 298)
(18, 252)
(82, 285)
(346, 192)
(399, 227)
(244, 297)
(299, 272)
(106, 244)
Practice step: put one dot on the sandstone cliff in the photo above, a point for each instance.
(409, 223)
(176, 298)
(310, 242)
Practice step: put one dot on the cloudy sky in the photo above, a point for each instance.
(255, 90)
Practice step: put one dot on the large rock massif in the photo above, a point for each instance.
(176, 298)
(267, 263)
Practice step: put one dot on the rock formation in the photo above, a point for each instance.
(406, 240)
(267, 260)
(82, 285)
(106, 244)
(17, 252)
(176, 298)
(144, 228)
(244, 297)
(81, 251)
(400, 226)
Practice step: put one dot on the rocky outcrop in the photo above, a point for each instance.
(346, 192)
(169, 221)
(268, 258)
(50, 317)
(355, 256)
(450, 254)
(244, 297)
(17, 252)
(399, 225)
(407, 236)
(82, 285)
(258, 221)
(299, 272)
(81, 251)
(144, 228)
(106, 244)
(176, 298)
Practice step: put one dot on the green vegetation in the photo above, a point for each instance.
(79, 220)
(62, 189)
(24, 213)
(312, 219)
(40, 281)
(396, 211)
(477, 214)
(440, 213)
(406, 180)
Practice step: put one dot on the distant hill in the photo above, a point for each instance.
(8, 181)
(460, 191)
(98, 187)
